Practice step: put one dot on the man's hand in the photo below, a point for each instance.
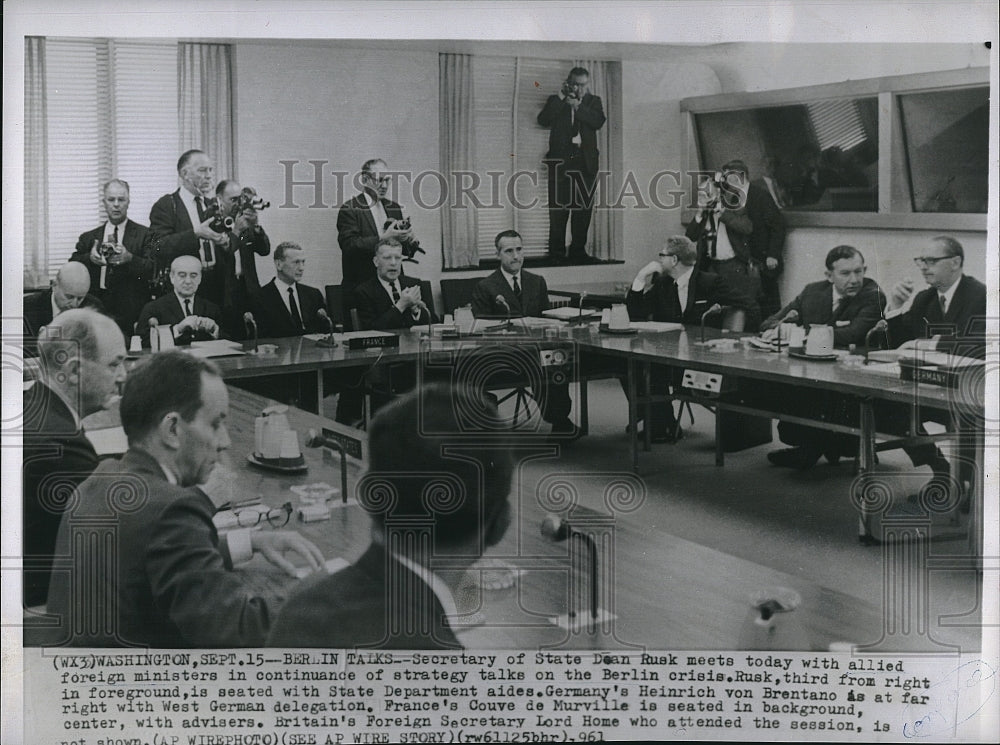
(771, 263)
(408, 298)
(902, 292)
(645, 276)
(197, 323)
(95, 254)
(400, 235)
(121, 256)
(272, 544)
(203, 231)
(244, 221)
(770, 334)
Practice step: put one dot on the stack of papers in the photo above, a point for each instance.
(656, 326)
(567, 313)
(216, 348)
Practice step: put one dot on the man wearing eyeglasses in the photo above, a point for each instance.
(167, 579)
(674, 289)
(952, 306)
(948, 316)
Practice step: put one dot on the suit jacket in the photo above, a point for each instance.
(172, 584)
(171, 231)
(57, 457)
(38, 313)
(167, 311)
(589, 117)
(767, 237)
(534, 296)
(272, 315)
(127, 284)
(357, 236)
(852, 322)
(374, 603)
(962, 328)
(377, 311)
(704, 290)
(739, 228)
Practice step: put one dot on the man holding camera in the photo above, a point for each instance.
(183, 223)
(116, 256)
(234, 279)
(362, 222)
(572, 118)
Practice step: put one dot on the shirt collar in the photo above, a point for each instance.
(282, 285)
(950, 292)
(388, 287)
(685, 279)
(180, 301)
(109, 230)
(56, 310)
(437, 585)
(511, 277)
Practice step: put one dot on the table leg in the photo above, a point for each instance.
(584, 413)
(866, 460)
(319, 392)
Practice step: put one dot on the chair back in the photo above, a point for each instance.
(457, 293)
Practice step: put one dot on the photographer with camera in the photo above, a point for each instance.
(363, 221)
(116, 255)
(234, 278)
(573, 118)
(181, 223)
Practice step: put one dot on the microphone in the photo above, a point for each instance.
(329, 341)
(154, 335)
(557, 530)
(501, 300)
(716, 308)
(251, 344)
(881, 326)
(316, 439)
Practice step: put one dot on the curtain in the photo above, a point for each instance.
(205, 103)
(458, 224)
(36, 244)
(605, 238)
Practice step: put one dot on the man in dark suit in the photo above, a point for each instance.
(70, 289)
(674, 290)
(511, 291)
(740, 234)
(180, 222)
(852, 304)
(361, 223)
(572, 118)
(82, 366)
(167, 579)
(117, 256)
(189, 316)
(949, 316)
(285, 306)
(390, 300)
(392, 598)
(234, 278)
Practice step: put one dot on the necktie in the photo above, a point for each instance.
(206, 246)
(517, 287)
(395, 291)
(294, 308)
(187, 307)
(114, 238)
(841, 307)
(943, 301)
(712, 235)
(674, 300)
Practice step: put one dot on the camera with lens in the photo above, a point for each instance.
(108, 249)
(246, 200)
(411, 246)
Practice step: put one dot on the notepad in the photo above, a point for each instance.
(108, 441)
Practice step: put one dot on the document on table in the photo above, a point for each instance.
(108, 441)
(656, 326)
(215, 348)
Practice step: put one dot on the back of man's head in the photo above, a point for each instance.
(160, 384)
(419, 448)
(684, 249)
(72, 334)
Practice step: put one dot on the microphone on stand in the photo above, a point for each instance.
(716, 308)
(791, 316)
(154, 335)
(557, 530)
(250, 345)
(881, 326)
(329, 341)
(501, 300)
(315, 439)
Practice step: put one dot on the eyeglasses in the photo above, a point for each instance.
(665, 255)
(923, 261)
(276, 518)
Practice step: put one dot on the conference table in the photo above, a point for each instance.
(654, 590)
(640, 355)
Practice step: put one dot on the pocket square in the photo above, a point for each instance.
(843, 323)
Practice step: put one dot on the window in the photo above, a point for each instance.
(110, 112)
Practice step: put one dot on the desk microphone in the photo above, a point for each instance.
(251, 325)
(501, 300)
(557, 530)
(716, 308)
(329, 340)
(883, 326)
(315, 439)
(154, 335)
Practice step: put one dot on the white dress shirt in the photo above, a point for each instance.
(378, 212)
(283, 286)
(683, 283)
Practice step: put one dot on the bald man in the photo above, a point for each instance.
(70, 289)
(82, 368)
(190, 316)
